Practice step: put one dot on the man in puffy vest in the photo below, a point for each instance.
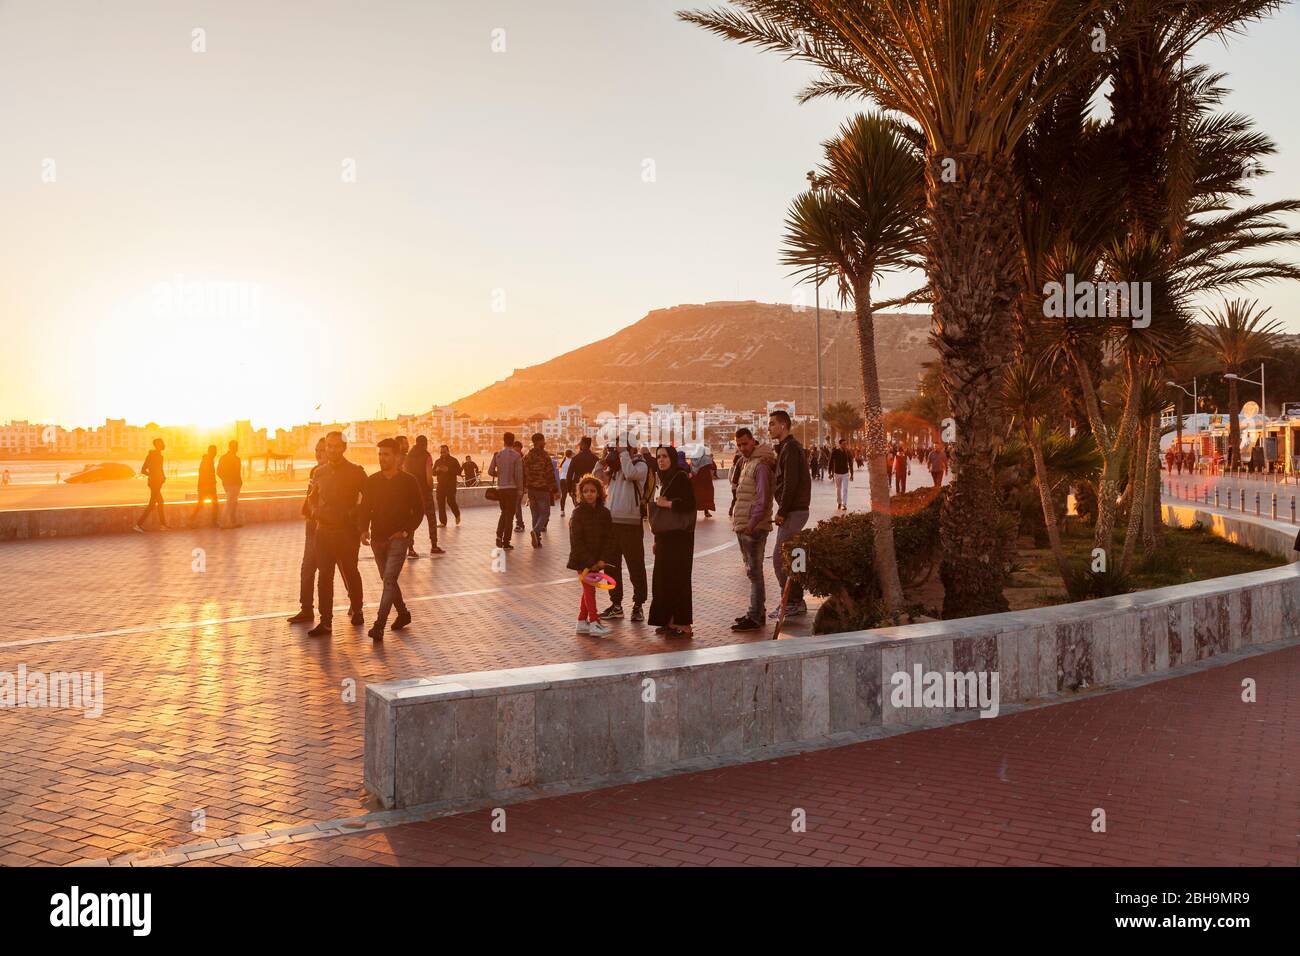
(751, 519)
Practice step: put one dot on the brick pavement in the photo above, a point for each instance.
(1187, 774)
(245, 720)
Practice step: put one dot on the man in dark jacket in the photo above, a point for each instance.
(231, 472)
(307, 568)
(842, 473)
(392, 507)
(445, 471)
(792, 487)
(419, 465)
(584, 463)
(335, 500)
(207, 490)
(154, 471)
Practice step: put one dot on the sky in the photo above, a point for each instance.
(338, 209)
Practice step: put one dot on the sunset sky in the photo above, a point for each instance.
(515, 178)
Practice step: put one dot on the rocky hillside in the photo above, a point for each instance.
(738, 354)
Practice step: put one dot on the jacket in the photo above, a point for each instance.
(792, 481)
(539, 471)
(230, 471)
(625, 487)
(590, 536)
(754, 491)
(208, 474)
(507, 468)
(337, 495)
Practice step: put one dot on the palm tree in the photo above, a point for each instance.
(1235, 335)
(843, 418)
(863, 216)
(972, 77)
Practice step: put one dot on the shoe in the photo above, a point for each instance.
(519, 528)
(774, 616)
(413, 553)
(637, 613)
(507, 546)
(403, 618)
(136, 527)
(302, 617)
(612, 613)
(662, 629)
(436, 550)
(443, 524)
(376, 631)
(536, 539)
(164, 527)
(584, 627)
(748, 624)
(321, 630)
(358, 617)
(797, 610)
(743, 617)
(596, 629)
(457, 520)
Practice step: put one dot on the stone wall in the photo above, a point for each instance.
(460, 739)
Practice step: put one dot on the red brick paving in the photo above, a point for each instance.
(1186, 773)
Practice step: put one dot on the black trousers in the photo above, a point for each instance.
(447, 499)
(508, 499)
(204, 497)
(337, 548)
(155, 501)
(628, 541)
(307, 570)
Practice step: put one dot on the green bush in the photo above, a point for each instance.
(839, 560)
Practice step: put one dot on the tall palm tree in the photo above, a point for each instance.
(863, 216)
(843, 418)
(972, 76)
(1236, 334)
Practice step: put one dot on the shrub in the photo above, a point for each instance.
(839, 560)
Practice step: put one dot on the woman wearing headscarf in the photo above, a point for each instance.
(672, 519)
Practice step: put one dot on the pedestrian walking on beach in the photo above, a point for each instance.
(672, 520)
(231, 472)
(792, 495)
(445, 471)
(842, 472)
(152, 469)
(307, 567)
(589, 544)
(418, 463)
(335, 502)
(625, 474)
(207, 488)
(542, 483)
(392, 507)
(507, 467)
(751, 520)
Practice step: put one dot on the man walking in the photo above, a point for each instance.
(152, 469)
(519, 499)
(445, 470)
(625, 475)
(336, 499)
(231, 472)
(307, 568)
(507, 467)
(584, 463)
(392, 507)
(937, 463)
(542, 486)
(842, 472)
(792, 493)
(207, 490)
(751, 519)
(419, 465)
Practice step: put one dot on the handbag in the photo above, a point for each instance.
(491, 494)
(664, 520)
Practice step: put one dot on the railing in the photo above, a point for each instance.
(1238, 498)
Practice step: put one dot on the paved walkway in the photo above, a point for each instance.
(1186, 773)
(216, 709)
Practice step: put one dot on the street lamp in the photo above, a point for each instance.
(817, 291)
(1195, 407)
(1263, 403)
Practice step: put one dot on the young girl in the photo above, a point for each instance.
(590, 531)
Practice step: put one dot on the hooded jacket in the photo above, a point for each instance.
(625, 487)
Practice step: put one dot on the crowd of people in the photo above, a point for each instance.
(615, 495)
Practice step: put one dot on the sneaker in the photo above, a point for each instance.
(536, 539)
(412, 553)
(637, 613)
(743, 617)
(136, 527)
(748, 624)
(443, 524)
(596, 629)
(457, 520)
(321, 630)
(403, 618)
(612, 613)
(584, 627)
(358, 617)
(774, 616)
(796, 610)
(302, 617)
(436, 550)
(376, 631)
(507, 546)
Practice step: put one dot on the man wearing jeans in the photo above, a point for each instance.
(751, 518)
(335, 497)
(392, 507)
(231, 472)
(842, 472)
(507, 468)
(307, 569)
(625, 473)
(542, 485)
(792, 491)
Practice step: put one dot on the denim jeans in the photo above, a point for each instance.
(507, 499)
(752, 547)
(842, 489)
(793, 524)
(232, 505)
(307, 571)
(390, 555)
(539, 503)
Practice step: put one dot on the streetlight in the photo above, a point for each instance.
(1263, 402)
(817, 291)
(1195, 408)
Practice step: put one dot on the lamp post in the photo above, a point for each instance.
(1263, 402)
(817, 291)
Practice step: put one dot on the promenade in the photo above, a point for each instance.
(220, 721)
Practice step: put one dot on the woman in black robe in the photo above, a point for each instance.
(670, 597)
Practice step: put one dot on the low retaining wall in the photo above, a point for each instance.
(460, 739)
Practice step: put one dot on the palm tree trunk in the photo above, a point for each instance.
(973, 264)
(1114, 447)
(1153, 525)
(1137, 495)
(891, 589)
(1049, 510)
